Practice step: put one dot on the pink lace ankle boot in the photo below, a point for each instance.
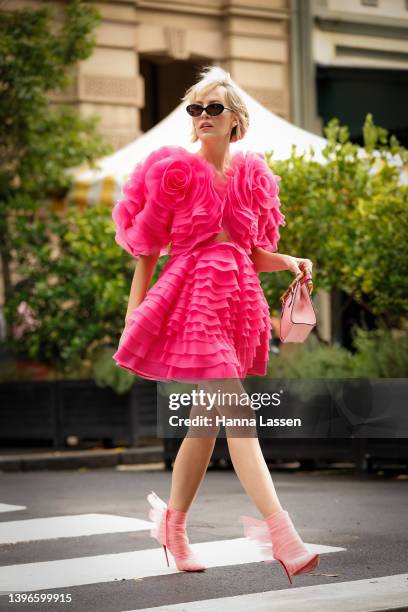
(288, 548)
(170, 531)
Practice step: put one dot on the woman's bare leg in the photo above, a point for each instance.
(191, 464)
(250, 466)
(246, 453)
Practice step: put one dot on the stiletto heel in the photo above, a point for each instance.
(170, 531)
(286, 570)
(165, 552)
(279, 540)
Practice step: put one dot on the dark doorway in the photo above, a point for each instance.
(346, 312)
(165, 84)
(351, 93)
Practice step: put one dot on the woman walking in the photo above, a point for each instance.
(206, 320)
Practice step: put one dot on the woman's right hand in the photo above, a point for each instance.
(296, 263)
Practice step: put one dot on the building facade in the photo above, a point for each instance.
(350, 58)
(149, 51)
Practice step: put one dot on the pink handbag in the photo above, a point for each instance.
(298, 316)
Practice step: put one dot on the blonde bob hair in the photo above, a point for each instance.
(211, 76)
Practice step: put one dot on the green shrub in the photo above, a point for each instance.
(107, 374)
(76, 281)
(313, 360)
(380, 353)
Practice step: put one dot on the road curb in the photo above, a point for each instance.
(73, 460)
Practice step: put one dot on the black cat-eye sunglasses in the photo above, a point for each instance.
(214, 109)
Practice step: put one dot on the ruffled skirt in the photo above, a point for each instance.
(206, 317)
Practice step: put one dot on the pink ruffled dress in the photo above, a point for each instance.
(206, 317)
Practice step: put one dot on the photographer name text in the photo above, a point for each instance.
(207, 421)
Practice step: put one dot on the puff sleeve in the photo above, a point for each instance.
(267, 205)
(142, 222)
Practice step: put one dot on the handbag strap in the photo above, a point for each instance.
(301, 278)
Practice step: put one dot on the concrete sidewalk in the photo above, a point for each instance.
(20, 461)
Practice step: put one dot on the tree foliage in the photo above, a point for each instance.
(40, 140)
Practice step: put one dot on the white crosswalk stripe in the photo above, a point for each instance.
(386, 592)
(69, 526)
(131, 565)
(11, 508)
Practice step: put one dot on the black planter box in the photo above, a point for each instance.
(27, 411)
(52, 410)
(93, 413)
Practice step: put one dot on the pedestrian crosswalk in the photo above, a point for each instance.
(130, 565)
(78, 571)
(81, 571)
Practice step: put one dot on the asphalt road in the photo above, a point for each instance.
(105, 562)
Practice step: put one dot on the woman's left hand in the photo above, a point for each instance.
(293, 265)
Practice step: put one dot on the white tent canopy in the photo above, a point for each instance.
(267, 132)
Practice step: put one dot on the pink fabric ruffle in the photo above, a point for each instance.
(254, 202)
(257, 531)
(185, 184)
(157, 516)
(205, 317)
(176, 197)
(142, 224)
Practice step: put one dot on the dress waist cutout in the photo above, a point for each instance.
(223, 237)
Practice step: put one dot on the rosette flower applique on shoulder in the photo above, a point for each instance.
(267, 204)
(143, 221)
(169, 198)
(254, 201)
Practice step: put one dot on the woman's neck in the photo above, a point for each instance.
(219, 157)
